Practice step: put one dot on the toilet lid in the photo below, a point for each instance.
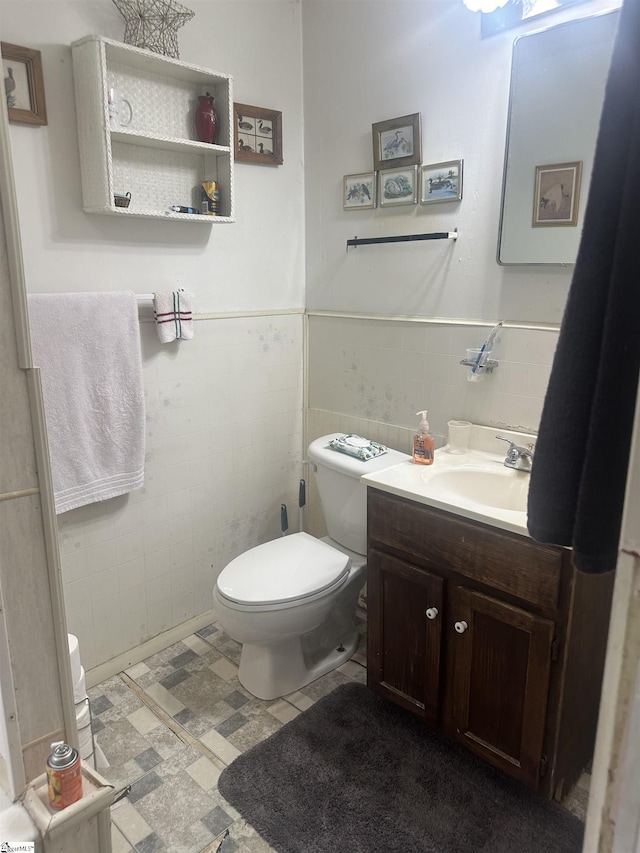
(283, 570)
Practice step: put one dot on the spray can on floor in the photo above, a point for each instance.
(64, 775)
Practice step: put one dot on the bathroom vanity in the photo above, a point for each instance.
(488, 636)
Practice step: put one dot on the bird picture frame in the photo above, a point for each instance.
(257, 134)
(397, 142)
(441, 182)
(23, 84)
(359, 191)
(557, 194)
(398, 186)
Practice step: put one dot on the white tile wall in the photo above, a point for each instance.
(224, 439)
(370, 377)
(385, 371)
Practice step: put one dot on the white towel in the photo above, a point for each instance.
(172, 311)
(87, 346)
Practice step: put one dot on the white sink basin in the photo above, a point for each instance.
(483, 485)
(475, 484)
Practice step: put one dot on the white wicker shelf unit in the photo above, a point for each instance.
(156, 157)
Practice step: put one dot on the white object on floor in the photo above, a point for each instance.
(292, 602)
(83, 714)
(74, 656)
(80, 688)
(173, 313)
(87, 346)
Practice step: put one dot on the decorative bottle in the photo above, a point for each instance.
(206, 119)
(423, 443)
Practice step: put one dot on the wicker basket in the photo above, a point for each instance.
(122, 200)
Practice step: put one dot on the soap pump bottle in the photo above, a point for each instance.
(423, 442)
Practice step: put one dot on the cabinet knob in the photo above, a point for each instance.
(432, 612)
(461, 627)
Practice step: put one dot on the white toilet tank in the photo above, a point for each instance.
(342, 494)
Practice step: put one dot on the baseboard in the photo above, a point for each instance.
(112, 667)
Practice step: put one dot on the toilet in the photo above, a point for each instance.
(292, 602)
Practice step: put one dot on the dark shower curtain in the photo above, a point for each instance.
(576, 495)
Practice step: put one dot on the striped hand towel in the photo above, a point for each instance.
(172, 311)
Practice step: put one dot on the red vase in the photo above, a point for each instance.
(206, 119)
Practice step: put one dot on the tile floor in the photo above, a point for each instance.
(168, 727)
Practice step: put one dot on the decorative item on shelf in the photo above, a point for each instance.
(398, 186)
(153, 24)
(121, 199)
(206, 118)
(359, 191)
(115, 103)
(210, 198)
(397, 142)
(257, 135)
(23, 84)
(441, 182)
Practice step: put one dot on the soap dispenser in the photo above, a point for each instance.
(423, 443)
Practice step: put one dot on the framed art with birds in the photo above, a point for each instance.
(397, 142)
(23, 84)
(257, 135)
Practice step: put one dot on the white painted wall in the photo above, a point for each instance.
(218, 406)
(365, 62)
(254, 264)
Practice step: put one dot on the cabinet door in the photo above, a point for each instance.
(404, 633)
(498, 668)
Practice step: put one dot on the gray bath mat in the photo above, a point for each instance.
(356, 774)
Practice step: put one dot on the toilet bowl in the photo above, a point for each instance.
(292, 602)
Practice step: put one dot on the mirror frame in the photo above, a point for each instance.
(585, 177)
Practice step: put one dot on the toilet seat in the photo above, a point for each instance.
(284, 572)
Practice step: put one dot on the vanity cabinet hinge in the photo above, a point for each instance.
(542, 768)
(555, 648)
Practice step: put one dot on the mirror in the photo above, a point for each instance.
(558, 76)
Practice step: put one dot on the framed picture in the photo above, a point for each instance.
(257, 135)
(397, 142)
(359, 191)
(441, 182)
(557, 194)
(23, 84)
(398, 186)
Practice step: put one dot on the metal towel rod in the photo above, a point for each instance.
(405, 238)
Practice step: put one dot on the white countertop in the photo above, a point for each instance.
(422, 483)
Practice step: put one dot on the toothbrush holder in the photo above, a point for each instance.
(474, 373)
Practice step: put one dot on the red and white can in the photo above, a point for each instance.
(64, 776)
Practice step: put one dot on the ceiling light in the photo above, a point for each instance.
(484, 5)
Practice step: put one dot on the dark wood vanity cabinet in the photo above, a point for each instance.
(488, 636)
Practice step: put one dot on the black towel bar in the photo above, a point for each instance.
(405, 238)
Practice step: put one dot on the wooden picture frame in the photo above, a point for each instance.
(557, 195)
(257, 135)
(441, 182)
(24, 84)
(397, 142)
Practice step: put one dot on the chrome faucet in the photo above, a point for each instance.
(519, 458)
